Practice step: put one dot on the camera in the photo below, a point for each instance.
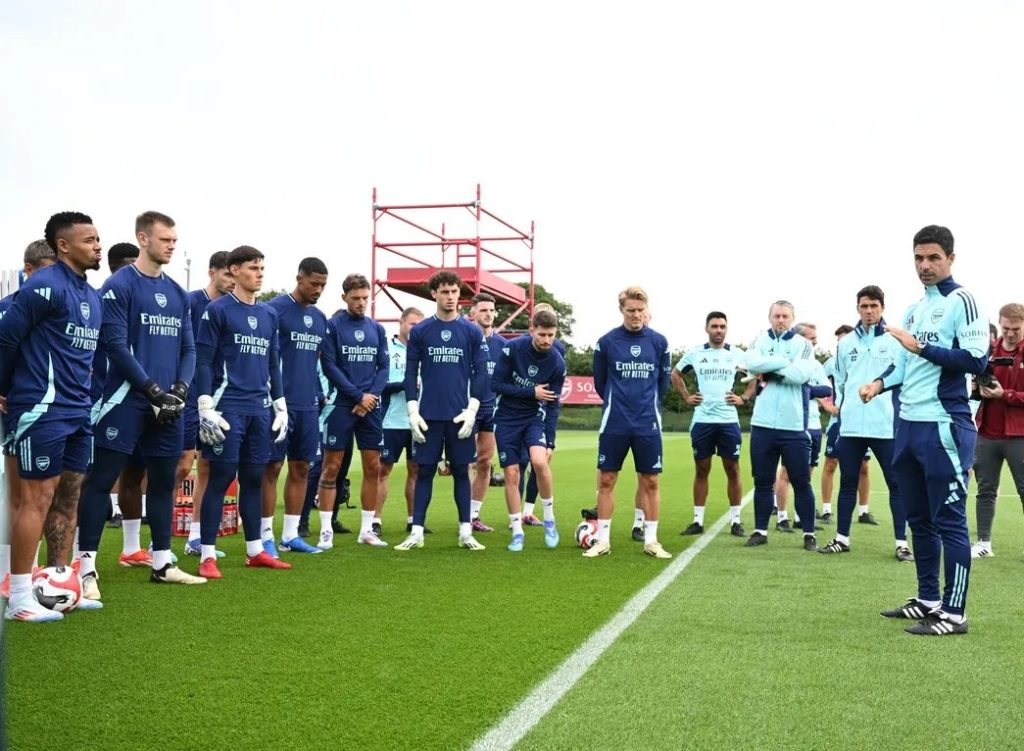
(987, 378)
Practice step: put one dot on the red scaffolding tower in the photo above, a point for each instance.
(405, 264)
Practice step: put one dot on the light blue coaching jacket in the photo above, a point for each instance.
(860, 357)
(954, 335)
(782, 403)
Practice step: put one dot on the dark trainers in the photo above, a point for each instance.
(937, 623)
(693, 529)
(375, 528)
(638, 534)
(340, 529)
(904, 555)
(826, 518)
(784, 526)
(589, 514)
(736, 530)
(756, 539)
(867, 518)
(835, 547)
(913, 610)
(810, 543)
(304, 531)
(115, 521)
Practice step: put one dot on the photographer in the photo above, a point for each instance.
(1000, 421)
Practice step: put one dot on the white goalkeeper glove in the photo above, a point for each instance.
(417, 424)
(211, 424)
(468, 418)
(280, 425)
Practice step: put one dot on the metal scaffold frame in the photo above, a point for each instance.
(474, 258)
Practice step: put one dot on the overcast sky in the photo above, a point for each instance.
(721, 155)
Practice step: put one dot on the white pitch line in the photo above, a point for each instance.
(529, 712)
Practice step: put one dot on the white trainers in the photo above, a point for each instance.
(410, 542)
(469, 543)
(90, 589)
(600, 548)
(173, 575)
(982, 549)
(655, 550)
(326, 540)
(28, 609)
(369, 538)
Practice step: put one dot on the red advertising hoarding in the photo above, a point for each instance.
(579, 390)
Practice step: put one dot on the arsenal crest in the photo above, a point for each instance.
(84, 307)
(253, 323)
(446, 335)
(635, 350)
(360, 335)
(161, 299)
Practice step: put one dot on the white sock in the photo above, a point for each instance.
(474, 509)
(193, 531)
(291, 527)
(650, 532)
(325, 523)
(39, 551)
(113, 504)
(783, 516)
(863, 508)
(376, 519)
(207, 551)
(131, 528)
(761, 532)
(21, 587)
(408, 520)
(267, 528)
(143, 504)
(845, 539)
(417, 530)
(88, 563)
(734, 513)
(365, 522)
(528, 509)
(826, 507)
(465, 530)
(927, 603)
(604, 530)
(74, 551)
(517, 523)
(698, 515)
(253, 547)
(955, 618)
(548, 504)
(903, 544)
(5, 557)
(638, 517)
(161, 558)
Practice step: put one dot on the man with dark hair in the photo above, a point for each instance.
(47, 343)
(220, 283)
(864, 427)
(943, 337)
(483, 313)
(715, 427)
(302, 328)
(236, 424)
(120, 255)
(397, 435)
(355, 361)
(147, 339)
(38, 255)
(528, 381)
(1000, 421)
(632, 368)
(446, 360)
(828, 471)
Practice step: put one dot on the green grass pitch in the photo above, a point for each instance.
(363, 648)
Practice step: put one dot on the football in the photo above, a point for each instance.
(586, 533)
(57, 588)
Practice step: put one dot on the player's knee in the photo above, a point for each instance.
(606, 480)
(297, 470)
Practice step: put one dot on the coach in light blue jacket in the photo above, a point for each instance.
(779, 424)
(944, 336)
(867, 351)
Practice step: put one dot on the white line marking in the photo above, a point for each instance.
(529, 712)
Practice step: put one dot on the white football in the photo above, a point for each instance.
(57, 588)
(586, 533)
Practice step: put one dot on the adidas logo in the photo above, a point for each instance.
(109, 295)
(43, 292)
